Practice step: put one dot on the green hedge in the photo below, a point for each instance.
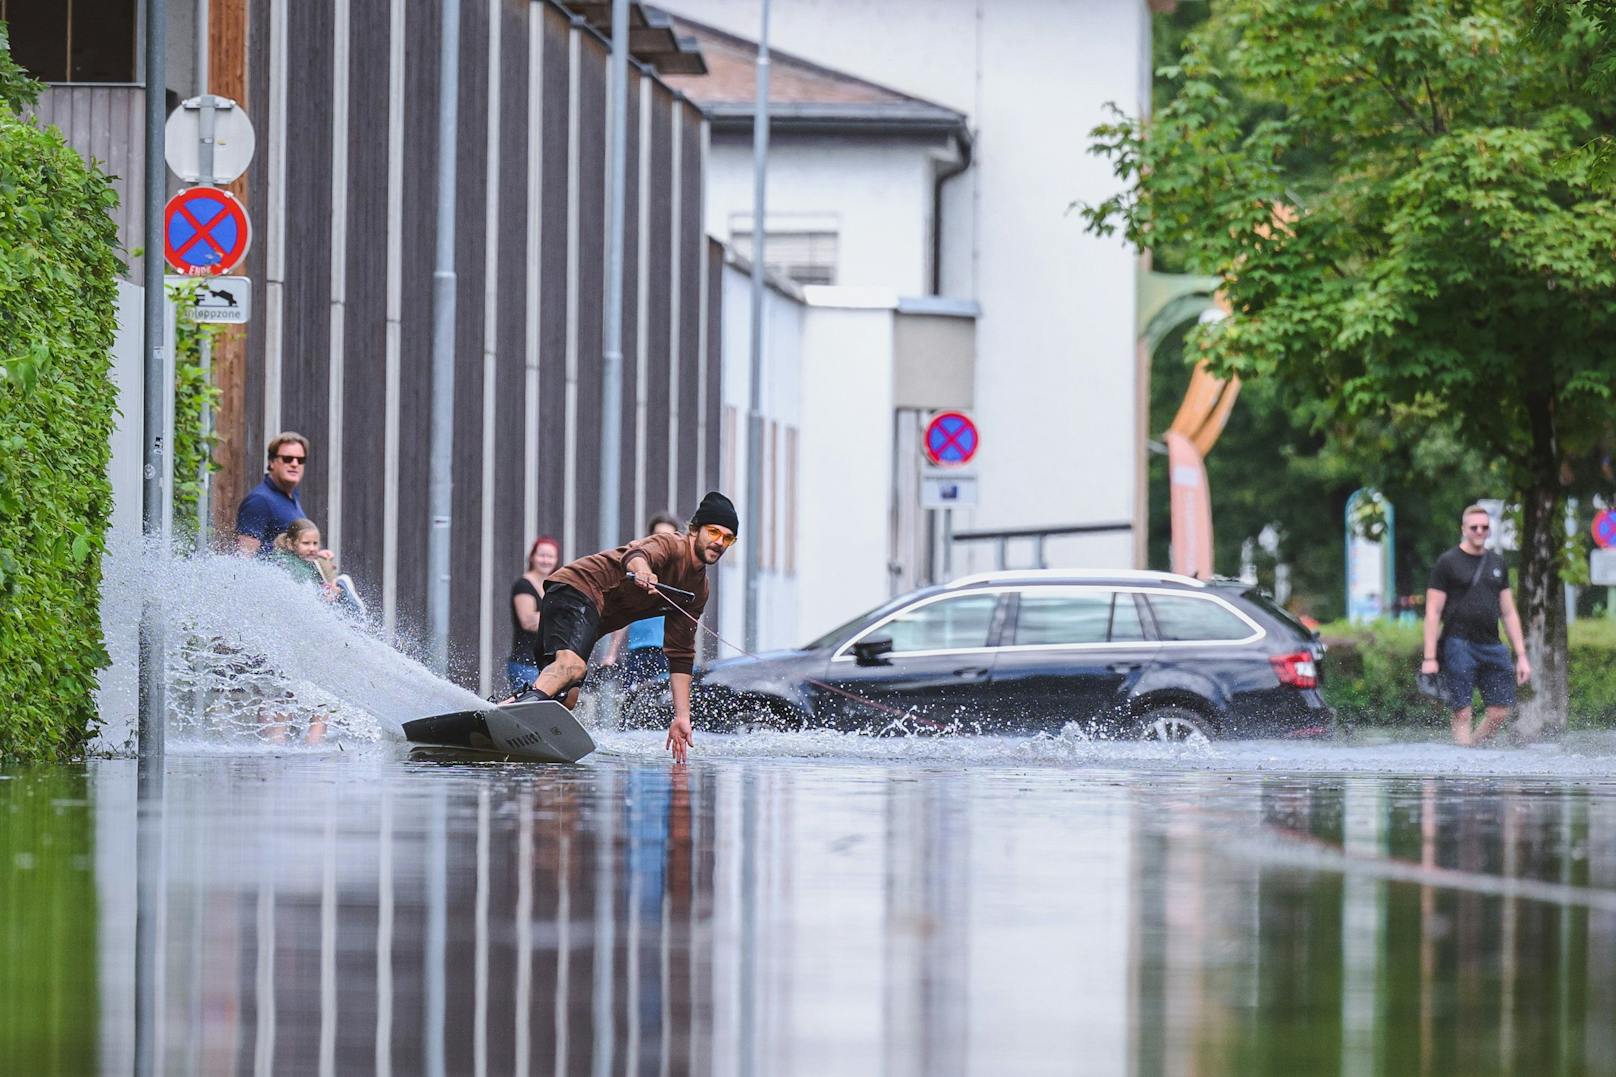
(1369, 674)
(58, 296)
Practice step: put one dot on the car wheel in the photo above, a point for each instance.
(1176, 724)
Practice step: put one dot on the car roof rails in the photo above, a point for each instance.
(1134, 574)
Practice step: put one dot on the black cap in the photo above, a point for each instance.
(717, 509)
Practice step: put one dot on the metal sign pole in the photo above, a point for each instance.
(611, 370)
(155, 389)
(443, 333)
(754, 418)
(204, 506)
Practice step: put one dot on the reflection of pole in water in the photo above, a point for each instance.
(563, 946)
(436, 952)
(328, 944)
(524, 929)
(1363, 928)
(150, 887)
(264, 984)
(384, 938)
(479, 1038)
(605, 942)
(1428, 924)
(1508, 963)
(748, 999)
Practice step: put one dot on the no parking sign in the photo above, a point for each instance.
(205, 231)
(951, 439)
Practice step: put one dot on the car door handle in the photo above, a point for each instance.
(971, 673)
(1123, 667)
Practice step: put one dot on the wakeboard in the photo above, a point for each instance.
(540, 731)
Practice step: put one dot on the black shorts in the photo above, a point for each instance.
(568, 621)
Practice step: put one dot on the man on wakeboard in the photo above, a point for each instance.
(594, 596)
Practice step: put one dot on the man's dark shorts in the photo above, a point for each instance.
(568, 621)
(1467, 665)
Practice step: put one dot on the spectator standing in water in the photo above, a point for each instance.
(1464, 601)
(522, 665)
(273, 504)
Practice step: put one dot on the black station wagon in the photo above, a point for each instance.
(1145, 654)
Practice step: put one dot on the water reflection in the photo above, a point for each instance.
(343, 914)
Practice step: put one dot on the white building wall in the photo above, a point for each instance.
(875, 195)
(1055, 368)
(782, 393)
(846, 469)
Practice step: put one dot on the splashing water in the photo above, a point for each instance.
(252, 654)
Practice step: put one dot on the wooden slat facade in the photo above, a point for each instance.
(305, 53)
(106, 124)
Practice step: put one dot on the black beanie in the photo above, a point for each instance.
(717, 509)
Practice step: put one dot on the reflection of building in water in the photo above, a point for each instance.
(1376, 926)
(819, 918)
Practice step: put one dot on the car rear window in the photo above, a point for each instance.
(1188, 617)
(1262, 601)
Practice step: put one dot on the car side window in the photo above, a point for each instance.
(1126, 625)
(951, 624)
(1184, 617)
(1051, 620)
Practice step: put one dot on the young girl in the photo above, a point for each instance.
(297, 550)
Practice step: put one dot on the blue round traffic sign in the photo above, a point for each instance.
(1604, 529)
(951, 439)
(205, 231)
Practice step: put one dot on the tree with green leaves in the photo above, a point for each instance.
(1411, 234)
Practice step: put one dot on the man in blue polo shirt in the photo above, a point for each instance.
(272, 504)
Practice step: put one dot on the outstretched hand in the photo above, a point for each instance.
(680, 738)
(646, 580)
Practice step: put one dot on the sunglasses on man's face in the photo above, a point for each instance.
(285, 459)
(717, 536)
(1478, 527)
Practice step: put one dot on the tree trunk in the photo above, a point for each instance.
(1542, 594)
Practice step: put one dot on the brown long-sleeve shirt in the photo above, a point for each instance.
(604, 578)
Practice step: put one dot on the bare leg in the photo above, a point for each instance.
(561, 677)
(1461, 726)
(1496, 717)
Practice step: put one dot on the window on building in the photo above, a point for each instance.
(804, 257)
(73, 40)
(791, 501)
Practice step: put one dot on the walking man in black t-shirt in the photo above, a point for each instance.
(1468, 593)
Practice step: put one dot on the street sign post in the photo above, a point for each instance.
(209, 140)
(1604, 529)
(951, 439)
(215, 300)
(206, 232)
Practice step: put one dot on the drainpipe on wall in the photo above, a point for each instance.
(963, 136)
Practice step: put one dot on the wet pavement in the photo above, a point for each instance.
(801, 904)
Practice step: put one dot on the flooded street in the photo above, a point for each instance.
(812, 904)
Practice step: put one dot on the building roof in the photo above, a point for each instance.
(802, 95)
(652, 39)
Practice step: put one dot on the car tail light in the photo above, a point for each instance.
(1296, 669)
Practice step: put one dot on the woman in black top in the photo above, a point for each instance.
(522, 667)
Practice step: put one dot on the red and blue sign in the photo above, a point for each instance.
(951, 439)
(1604, 529)
(205, 231)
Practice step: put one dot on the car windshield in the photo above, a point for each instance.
(1259, 598)
(842, 631)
